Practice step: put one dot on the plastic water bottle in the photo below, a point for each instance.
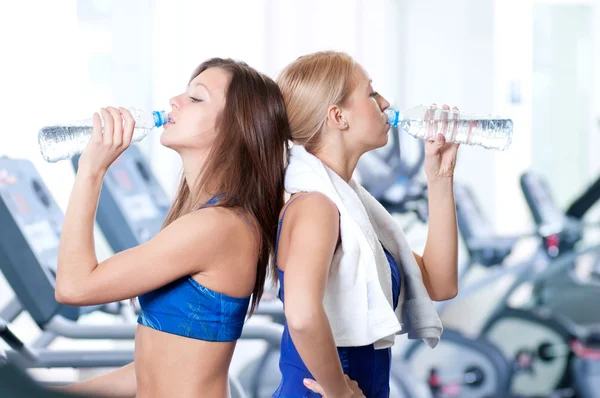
(65, 141)
(426, 122)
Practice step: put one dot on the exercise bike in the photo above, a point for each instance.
(560, 356)
(390, 175)
(462, 366)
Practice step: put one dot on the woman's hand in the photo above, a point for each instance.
(316, 387)
(440, 156)
(105, 147)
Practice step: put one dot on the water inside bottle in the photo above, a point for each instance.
(488, 133)
(63, 142)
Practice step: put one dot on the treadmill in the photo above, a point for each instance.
(30, 226)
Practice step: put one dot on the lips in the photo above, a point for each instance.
(170, 120)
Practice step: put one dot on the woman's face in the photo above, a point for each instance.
(367, 124)
(194, 113)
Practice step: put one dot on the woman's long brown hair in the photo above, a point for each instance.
(245, 165)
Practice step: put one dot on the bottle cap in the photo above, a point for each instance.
(160, 118)
(393, 117)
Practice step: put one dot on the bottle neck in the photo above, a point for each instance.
(160, 118)
(393, 117)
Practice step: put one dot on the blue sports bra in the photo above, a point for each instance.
(186, 308)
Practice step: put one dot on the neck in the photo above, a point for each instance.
(193, 166)
(339, 159)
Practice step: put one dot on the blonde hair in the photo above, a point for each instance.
(309, 86)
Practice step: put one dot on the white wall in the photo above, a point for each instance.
(39, 75)
(562, 70)
(594, 121)
(513, 46)
(449, 54)
(187, 33)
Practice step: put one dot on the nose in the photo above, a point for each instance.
(175, 102)
(383, 103)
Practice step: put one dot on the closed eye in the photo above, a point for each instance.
(195, 99)
(374, 94)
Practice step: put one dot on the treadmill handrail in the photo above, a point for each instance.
(73, 359)
(272, 308)
(271, 333)
(14, 342)
(75, 330)
(12, 310)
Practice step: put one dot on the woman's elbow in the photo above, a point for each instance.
(301, 318)
(444, 294)
(62, 296)
(68, 295)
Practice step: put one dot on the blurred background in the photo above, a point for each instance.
(534, 61)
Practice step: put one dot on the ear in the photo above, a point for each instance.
(336, 118)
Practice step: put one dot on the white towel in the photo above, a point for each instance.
(358, 296)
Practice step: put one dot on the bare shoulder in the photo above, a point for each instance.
(312, 213)
(313, 205)
(210, 227)
(309, 237)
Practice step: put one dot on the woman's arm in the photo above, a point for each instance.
(313, 225)
(120, 383)
(439, 263)
(172, 253)
(186, 247)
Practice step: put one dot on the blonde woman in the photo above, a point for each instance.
(341, 263)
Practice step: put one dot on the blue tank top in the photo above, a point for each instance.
(186, 308)
(369, 367)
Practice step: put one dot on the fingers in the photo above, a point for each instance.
(470, 130)
(316, 387)
(443, 130)
(449, 125)
(107, 136)
(313, 386)
(440, 140)
(97, 127)
(119, 125)
(430, 123)
(117, 121)
(439, 126)
(128, 126)
(454, 125)
(357, 392)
